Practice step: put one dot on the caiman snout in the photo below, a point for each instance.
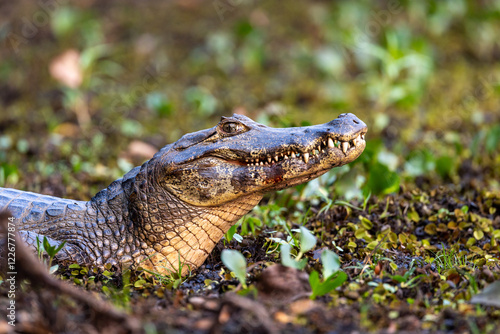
(348, 124)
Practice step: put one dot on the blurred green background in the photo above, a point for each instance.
(90, 89)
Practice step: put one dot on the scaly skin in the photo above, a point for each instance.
(179, 204)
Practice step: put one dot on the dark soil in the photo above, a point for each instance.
(415, 220)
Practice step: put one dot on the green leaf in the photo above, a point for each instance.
(381, 180)
(367, 224)
(203, 102)
(307, 240)
(250, 222)
(236, 262)
(419, 163)
(107, 273)
(64, 20)
(320, 289)
(444, 166)
(493, 139)
(139, 283)
(414, 216)
(61, 245)
(160, 103)
(46, 245)
(399, 278)
(314, 281)
(230, 233)
(331, 263)
(287, 260)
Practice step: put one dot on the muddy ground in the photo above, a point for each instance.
(415, 220)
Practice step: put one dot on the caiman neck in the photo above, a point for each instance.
(170, 230)
(110, 238)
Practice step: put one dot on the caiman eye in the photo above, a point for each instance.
(232, 127)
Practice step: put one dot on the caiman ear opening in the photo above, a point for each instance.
(194, 138)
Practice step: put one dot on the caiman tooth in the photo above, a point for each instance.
(306, 157)
(345, 147)
(330, 142)
(363, 136)
(286, 156)
(269, 159)
(276, 158)
(324, 143)
(355, 141)
(262, 163)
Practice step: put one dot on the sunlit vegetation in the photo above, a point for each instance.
(399, 240)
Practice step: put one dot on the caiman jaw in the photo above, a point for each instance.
(240, 157)
(322, 148)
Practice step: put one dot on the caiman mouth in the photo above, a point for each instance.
(319, 148)
(239, 157)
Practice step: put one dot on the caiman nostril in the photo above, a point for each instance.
(355, 121)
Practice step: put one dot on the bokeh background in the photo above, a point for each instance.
(89, 89)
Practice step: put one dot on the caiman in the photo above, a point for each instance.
(174, 208)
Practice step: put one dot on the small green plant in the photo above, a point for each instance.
(364, 269)
(307, 242)
(406, 280)
(250, 224)
(270, 214)
(120, 296)
(46, 247)
(236, 262)
(446, 259)
(231, 234)
(330, 203)
(333, 277)
(175, 278)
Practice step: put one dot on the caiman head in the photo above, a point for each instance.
(238, 157)
(183, 200)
